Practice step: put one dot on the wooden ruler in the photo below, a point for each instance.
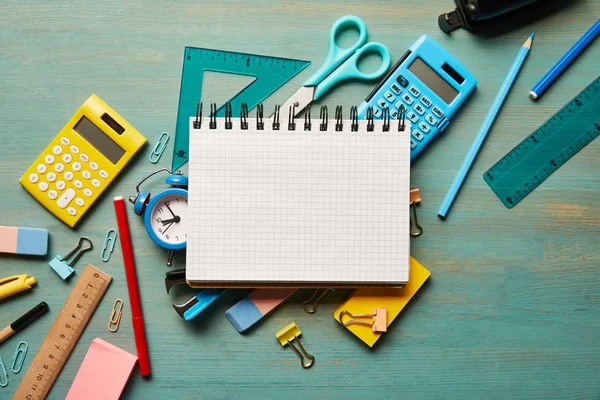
(64, 334)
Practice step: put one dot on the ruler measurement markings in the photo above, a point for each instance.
(63, 335)
(265, 69)
(540, 154)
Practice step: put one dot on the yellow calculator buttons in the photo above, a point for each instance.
(84, 158)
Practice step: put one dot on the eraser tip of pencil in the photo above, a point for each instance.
(533, 95)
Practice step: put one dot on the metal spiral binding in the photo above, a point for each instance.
(228, 124)
(354, 118)
(369, 117)
(292, 118)
(307, 122)
(213, 116)
(386, 119)
(339, 116)
(401, 118)
(323, 115)
(324, 118)
(276, 119)
(260, 125)
(198, 121)
(244, 116)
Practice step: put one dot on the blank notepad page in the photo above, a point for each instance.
(298, 207)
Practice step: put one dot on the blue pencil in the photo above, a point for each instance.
(565, 61)
(485, 128)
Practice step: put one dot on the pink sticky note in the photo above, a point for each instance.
(103, 373)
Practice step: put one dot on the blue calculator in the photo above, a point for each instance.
(430, 83)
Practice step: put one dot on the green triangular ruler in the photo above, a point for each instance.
(270, 74)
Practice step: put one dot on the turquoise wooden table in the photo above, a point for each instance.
(512, 309)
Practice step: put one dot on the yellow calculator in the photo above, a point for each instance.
(82, 160)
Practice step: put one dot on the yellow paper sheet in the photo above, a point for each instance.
(363, 301)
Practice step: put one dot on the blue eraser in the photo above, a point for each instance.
(26, 241)
(61, 268)
(32, 241)
(243, 314)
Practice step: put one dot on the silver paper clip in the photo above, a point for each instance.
(310, 305)
(19, 357)
(109, 245)
(115, 316)
(3, 374)
(159, 148)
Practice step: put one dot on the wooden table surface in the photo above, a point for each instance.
(512, 309)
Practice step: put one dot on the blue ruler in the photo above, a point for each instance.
(551, 145)
(270, 72)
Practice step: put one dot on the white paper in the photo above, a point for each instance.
(297, 206)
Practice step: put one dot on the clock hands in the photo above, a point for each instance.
(175, 218)
(171, 211)
(169, 221)
(167, 228)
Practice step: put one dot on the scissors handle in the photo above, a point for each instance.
(349, 68)
(337, 55)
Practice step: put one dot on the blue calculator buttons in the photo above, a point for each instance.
(431, 119)
(389, 96)
(414, 91)
(395, 88)
(417, 134)
(426, 102)
(419, 109)
(402, 81)
(407, 99)
(412, 116)
(424, 127)
(438, 113)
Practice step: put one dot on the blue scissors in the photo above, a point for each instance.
(340, 65)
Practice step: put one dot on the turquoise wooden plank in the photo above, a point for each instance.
(511, 309)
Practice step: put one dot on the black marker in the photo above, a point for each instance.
(30, 316)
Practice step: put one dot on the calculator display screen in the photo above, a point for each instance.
(434, 81)
(94, 135)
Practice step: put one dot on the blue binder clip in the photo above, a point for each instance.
(62, 266)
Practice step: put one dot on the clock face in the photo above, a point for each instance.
(168, 219)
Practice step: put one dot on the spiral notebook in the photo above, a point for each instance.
(305, 203)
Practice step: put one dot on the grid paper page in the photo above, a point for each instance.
(284, 207)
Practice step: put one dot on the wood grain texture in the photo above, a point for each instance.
(512, 307)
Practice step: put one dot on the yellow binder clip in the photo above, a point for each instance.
(287, 336)
(378, 324)
(415, 198)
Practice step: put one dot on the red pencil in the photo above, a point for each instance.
(139, 331)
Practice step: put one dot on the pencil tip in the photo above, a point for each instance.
(529, 40)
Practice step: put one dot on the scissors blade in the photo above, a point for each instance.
(302, 98)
